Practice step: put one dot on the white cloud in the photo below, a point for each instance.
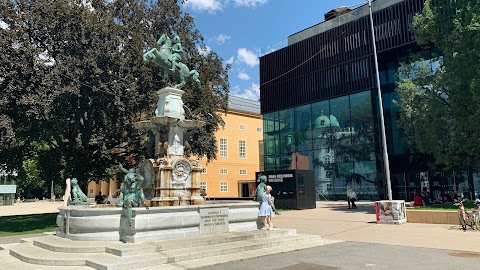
(204, 51)
(243, 76)
(247, 57)
(210, 6)
(252, 93)
(4, 25)
(221, 39)
(250, 3)
(230, 60)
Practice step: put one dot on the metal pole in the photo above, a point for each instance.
(382, 120)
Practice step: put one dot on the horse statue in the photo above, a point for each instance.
(168, 56)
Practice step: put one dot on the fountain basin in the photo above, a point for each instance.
(156, 223)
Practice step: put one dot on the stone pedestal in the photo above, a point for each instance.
(170, 103)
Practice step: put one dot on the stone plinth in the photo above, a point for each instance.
(156, 223)
(170, 103)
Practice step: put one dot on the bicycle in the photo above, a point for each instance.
(472, 220)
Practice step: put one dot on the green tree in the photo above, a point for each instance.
(73, 78)
(440, 110)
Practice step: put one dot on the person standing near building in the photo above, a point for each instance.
(353, 198)
(349, 191)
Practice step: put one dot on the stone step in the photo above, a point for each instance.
(8, 262)
(59, 244)
(111, 262)
(191, 253)
(29, 253)
(208, 240)
(131, 256)
(313, 241)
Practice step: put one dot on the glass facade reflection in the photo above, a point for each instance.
(334, 138)
(319, 101)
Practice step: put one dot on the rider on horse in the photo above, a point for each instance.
(177, 50)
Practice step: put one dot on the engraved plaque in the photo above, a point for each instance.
(213, 220)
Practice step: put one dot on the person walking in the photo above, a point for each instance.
(266, 209)
(353, 198)
(349, 191)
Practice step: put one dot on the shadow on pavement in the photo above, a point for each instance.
(362, 207)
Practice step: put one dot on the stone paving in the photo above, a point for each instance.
(333, 220)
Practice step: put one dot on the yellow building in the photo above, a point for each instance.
(232, 174)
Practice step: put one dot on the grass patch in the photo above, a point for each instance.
(448, 206)
(28, 224)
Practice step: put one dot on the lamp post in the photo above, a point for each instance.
(382, 120)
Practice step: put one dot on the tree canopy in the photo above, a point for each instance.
(440, 107)
(73, 80)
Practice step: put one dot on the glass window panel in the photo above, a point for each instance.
(320, 124)
(362, 118)
(397, 134)
(324, 172)
(388, 121)
(383, 77)
(286, 121)
(285, 163)
(340, 123)
(303, 134)
(271, 163)
(270, 122)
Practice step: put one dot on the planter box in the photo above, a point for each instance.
(433, 216)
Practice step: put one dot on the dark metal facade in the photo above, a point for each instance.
(336, 62)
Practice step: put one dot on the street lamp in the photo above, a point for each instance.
(382, 120)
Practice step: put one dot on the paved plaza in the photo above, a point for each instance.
(354, 241)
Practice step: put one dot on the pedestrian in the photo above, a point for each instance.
(266, 209)
(353, 198)
(349, 191)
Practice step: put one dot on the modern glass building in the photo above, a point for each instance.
(320, 105)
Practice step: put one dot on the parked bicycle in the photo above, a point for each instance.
(465, 218)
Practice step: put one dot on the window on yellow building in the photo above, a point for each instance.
(204, 171)
(203, 185)
(223, 171)
(259, 129)
(223, 186)
(242, 149)
(242, 127)
(223, 147)
(243, 172)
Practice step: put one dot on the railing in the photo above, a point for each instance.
(273, 47)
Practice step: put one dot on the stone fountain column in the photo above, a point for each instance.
(177, 178)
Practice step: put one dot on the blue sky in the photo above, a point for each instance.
(239, 30)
